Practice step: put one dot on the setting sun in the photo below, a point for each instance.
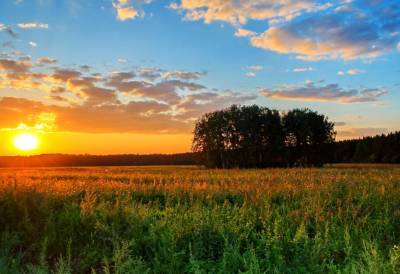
(26, 142)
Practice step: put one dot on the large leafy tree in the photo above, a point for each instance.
(308, 137)
(239, 136)
(210, 138)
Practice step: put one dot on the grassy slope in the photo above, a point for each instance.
(184, 219)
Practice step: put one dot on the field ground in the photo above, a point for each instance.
(339, 219)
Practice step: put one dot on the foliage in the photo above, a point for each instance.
(309, 136)
(253, 136)
(192, 220)
(378, 149)
(247, 136)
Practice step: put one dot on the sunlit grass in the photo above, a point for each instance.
(187, 219)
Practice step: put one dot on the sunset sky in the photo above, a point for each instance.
(108, 77)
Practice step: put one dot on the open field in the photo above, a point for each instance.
(187, 219)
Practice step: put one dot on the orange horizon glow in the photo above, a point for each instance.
(95, 143)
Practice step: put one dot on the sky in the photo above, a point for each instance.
(132, 76)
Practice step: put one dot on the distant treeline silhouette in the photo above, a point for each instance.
(253, 136)
(60, 160)
(377, 149)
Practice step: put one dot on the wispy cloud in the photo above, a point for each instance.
(327, 93)
(357, 132)
(33, 25)
(305, 69)
(8, 30)
(350, 72)
(241, 32)
(46, 61)
(253, 70)
(185, 75)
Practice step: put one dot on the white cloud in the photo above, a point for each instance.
(351, 72)
(33, 26)
(354, 72)
(32, 44)
(127, 11)
(240, 32)
(305, 69)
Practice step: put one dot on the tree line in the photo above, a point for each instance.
(65, 160)
(378, 149)
(254, 136)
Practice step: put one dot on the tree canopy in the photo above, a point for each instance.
(253, 136)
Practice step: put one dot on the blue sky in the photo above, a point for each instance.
(184, 58)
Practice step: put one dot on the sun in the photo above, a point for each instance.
(26, 142)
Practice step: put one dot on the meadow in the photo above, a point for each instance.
(337, 219)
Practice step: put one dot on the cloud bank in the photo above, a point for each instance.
(145, 100)
(308, 29)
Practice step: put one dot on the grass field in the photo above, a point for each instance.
(189, 220)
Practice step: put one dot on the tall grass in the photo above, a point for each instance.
(190, 220)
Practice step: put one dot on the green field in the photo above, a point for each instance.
(340, 219)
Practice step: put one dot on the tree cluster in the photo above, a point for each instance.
(378, 149)
(253, 136)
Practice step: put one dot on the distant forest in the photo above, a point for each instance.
(65, 160)
(378, 149)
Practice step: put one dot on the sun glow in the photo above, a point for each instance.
(26, 142)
